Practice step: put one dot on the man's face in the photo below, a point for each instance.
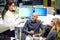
(34, 17)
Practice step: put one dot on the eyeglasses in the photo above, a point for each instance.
(51, 21)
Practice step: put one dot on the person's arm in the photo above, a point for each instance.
(52, 35)
(24, 30)
(43, 29)
(19, 21)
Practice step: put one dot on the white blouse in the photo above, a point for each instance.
(10, 20)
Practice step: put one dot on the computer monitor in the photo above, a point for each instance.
(25, 12)
(41, 11)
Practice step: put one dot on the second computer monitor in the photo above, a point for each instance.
(41, 11)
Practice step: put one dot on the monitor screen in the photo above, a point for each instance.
(25, 12)
(41, 11)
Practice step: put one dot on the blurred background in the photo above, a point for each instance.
(52, 7)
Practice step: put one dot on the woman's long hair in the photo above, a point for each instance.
(56, 23)
(6, 8)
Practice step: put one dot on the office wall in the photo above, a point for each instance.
(57, 4)
(39, 2)
(47, 19)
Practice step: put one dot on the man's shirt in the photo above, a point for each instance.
(35, 26)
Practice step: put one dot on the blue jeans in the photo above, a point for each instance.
(28, 37)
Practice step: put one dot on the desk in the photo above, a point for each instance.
(18, 31)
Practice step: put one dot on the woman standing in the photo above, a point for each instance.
(9, 19)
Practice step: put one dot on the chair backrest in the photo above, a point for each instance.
(58, 35)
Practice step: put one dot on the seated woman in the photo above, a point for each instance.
(48, 28)
(55, 29)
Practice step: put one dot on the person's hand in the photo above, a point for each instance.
(38, 35)
(44, 39)
(21, 22)
(31, 32)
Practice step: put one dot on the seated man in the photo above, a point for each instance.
(33, 25)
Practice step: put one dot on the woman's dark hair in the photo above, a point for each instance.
(9, 3)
